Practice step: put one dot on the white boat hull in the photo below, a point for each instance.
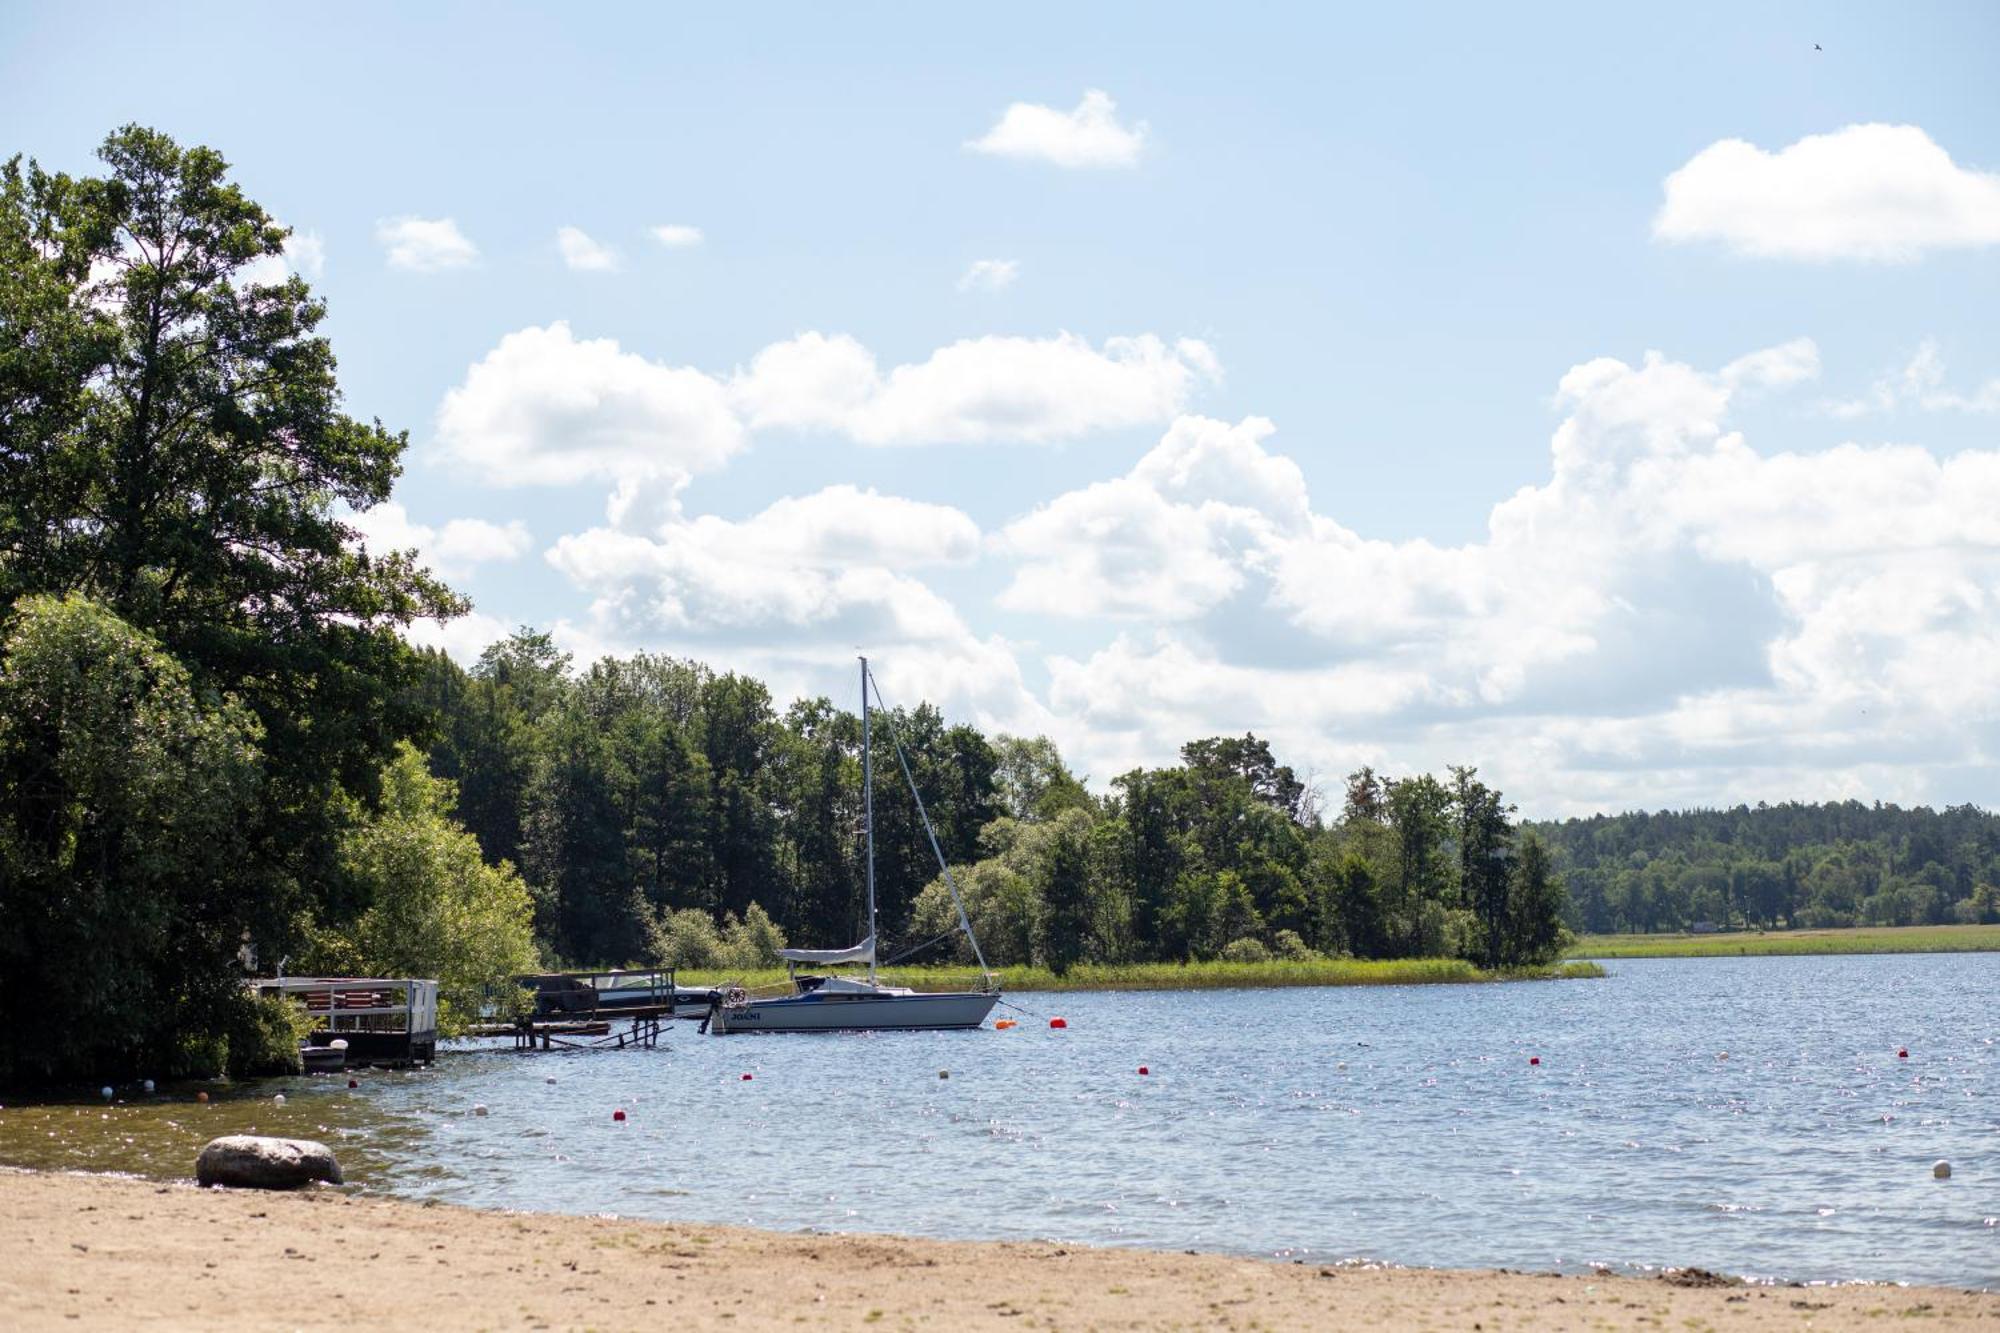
(816, 1012)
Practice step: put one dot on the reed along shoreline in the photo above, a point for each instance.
(82, 1251)
(1215, 975)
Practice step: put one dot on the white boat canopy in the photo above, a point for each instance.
(863, 952)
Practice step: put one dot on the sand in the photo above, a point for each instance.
(113, 1252)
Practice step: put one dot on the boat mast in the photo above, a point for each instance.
(868, 816)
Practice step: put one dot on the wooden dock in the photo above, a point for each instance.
(629, 1031)
(617, 1010)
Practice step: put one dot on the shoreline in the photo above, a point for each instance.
(1807, 942)
(1210, 975)
(96, 1251)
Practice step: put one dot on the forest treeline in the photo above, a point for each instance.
(640, 793)
(1792, 865)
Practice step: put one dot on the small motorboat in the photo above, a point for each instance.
(328, 1059)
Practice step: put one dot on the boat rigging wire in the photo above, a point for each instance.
(951, 883)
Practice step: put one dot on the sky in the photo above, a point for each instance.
(1604, 399)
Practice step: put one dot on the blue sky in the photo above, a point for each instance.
(1392, 234)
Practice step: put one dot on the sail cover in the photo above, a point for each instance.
(863, 952)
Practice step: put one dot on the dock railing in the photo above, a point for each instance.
(390, 1017)
(615, 989)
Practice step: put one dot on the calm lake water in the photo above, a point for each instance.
(1400, 1124)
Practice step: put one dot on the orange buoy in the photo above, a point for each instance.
(1003, 1025)
(201, 1097)
(1058, 1022)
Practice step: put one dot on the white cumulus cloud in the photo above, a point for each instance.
(1919, 383)
(1088, 136)
(584, 255)
(452, 550)
(677, 235)
(1885, 193)
(463, 638)
(546, 408)
(976, 391)
(791, 591)
(425, 245)
(989, 275)
(1670, 616)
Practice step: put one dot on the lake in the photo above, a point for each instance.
(1747, 1115)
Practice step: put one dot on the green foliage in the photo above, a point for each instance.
(183, 458)
(1290, 947)
(1033, 781)
(1793, 865)
(174, 449)
(1215, 974)
(685, 939)
(753, 942)
(124, 792)
(435, 908)
(264, 1037)
(1063, 882)
(688, 940)
(1002, 898)
(1534, 927)
(1246, 950)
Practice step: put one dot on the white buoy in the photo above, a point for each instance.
(278, 1100)
(105, 1093)
(1942, 1170)
(551, 1078)
(147, 1085)
(479, 1108)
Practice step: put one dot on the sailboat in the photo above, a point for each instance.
(820, 1001)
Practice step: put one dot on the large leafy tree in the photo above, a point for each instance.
(435, 908)
(173, 444)
(123, 795)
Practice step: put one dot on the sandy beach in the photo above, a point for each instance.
(112, 1252)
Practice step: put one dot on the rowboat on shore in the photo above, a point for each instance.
(818, 1001)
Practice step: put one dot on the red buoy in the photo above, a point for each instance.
(746, 1078)
(354, 1083)
(1534, 1059)
(1903, 1054)
(618, 1114)
(1144, 1070)
(1058, 1022)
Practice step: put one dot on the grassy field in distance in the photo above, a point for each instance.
(1744, 943)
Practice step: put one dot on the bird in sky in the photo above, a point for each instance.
(1818, 47)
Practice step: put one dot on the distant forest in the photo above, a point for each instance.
(661, 811)
(1790, 865)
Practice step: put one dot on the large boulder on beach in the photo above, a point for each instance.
(255, 1162)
